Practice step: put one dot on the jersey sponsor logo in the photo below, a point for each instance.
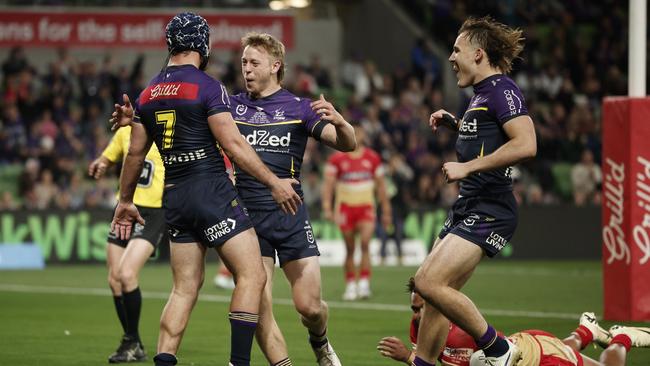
(241, 109)
(177, 90)
(510, 99)
(183, 157)
(146, 177)
(265, 138)
(496, 240)
(457, 354)
(220, 229)
(468, 129)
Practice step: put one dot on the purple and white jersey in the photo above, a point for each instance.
(497, 99)
(277, 127)
(174, 108)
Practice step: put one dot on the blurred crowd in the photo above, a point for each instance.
(54, 122)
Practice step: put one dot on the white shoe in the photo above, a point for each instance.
(350, 293)
(640, 336)
(325, 356)
(224, 282)
(601, 336)
(363, 289)
(507, 359)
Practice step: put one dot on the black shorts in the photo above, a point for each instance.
(154, 230)
(207, 211)
(290, 236)
(487, 221)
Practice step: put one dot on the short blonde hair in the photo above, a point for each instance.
(269, 43)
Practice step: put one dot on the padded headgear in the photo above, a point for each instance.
(188, 32)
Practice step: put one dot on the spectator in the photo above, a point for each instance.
(586, 178)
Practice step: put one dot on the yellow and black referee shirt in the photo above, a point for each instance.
(149, 191)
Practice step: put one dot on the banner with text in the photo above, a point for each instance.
(134, 30)
(626, 208)
(80, 236)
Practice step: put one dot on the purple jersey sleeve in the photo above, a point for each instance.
(215, 97)
(507, 102)
(312, 120)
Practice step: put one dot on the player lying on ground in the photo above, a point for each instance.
(535, 347)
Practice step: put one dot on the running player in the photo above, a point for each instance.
(183, 110)
(278, 124)
(536, 347)
(357, 176)
(125, 258)
(494, 133)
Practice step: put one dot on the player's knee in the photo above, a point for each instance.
(128, 277)
(254, 278)
(114, 282)
(311, 310)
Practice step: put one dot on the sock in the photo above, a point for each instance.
(491, 344)
(242, 331)
(133, 305)
(623, 340)
(350, 277)
(420, 362)
(165, 359)
(318, 341)
(119, 309)
(585, 336)
(285, 362)
(364, 274)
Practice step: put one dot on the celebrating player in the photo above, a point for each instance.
(357, 175)
(494, 133)
(125, 258)
(277, 124)
(536, 347)
(183, 110)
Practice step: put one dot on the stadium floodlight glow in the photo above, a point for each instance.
(299, 3)
(278, 5)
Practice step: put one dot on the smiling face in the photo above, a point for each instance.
(259, 69)
(465, 59)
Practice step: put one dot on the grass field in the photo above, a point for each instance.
(64, 315)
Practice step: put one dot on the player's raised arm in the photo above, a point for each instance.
(241, 153)
(338, 133)
(126, 212)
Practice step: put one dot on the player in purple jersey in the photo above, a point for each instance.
(494, 133)
(183, 110)
(278, 124)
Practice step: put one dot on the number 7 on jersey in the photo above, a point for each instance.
(168, 120)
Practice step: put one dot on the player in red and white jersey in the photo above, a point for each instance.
(354, 178)
(535, 347)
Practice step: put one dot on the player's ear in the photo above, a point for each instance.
(275, 67)
(479, 54)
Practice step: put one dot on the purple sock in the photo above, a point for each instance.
(420, 362)
(491, 344)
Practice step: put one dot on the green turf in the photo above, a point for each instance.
(42, 323)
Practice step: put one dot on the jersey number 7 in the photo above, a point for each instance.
(168, 120)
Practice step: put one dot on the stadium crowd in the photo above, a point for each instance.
(54, 122)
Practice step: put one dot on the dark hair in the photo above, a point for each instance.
(501, 43)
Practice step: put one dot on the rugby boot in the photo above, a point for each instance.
(130, 350)
(639, 336)
(601, 336)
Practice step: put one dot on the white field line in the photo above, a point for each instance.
(281, 301)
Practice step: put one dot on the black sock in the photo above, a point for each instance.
(121, 312)
(133, 305)
(165, 359)
(318, 341)
(285, 362)
(242, 332)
